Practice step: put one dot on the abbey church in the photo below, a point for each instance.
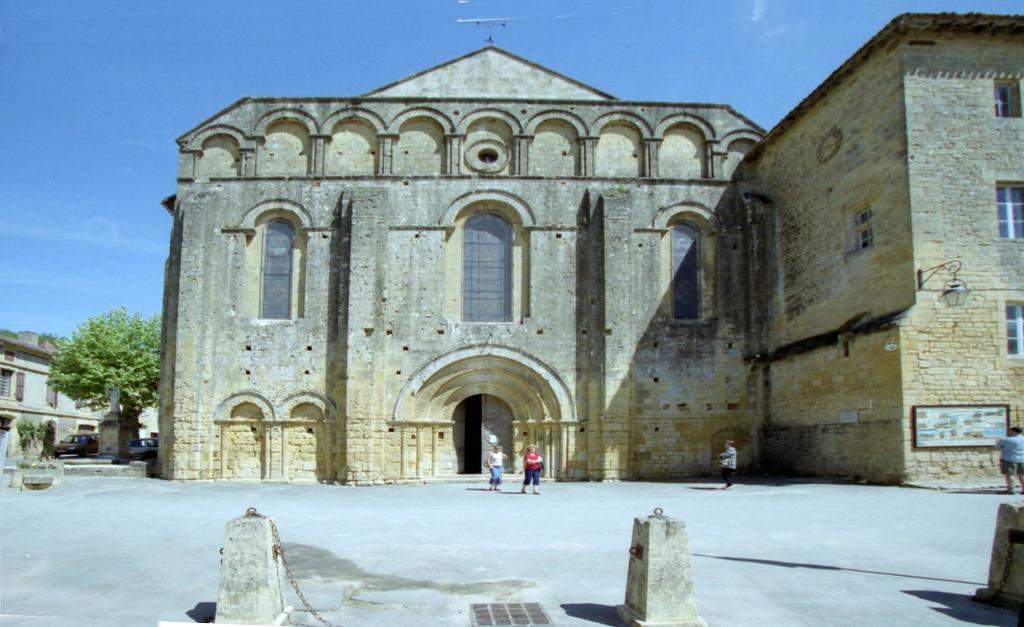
(380, 288)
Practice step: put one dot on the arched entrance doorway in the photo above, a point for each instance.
(481, 422)
(472, 394)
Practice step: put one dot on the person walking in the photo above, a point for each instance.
(1011, 458)
(727, 461)
(532, 465)
(495, 463)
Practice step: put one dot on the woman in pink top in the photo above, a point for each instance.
(532, 464)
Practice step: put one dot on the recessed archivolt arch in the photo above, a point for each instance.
(531, 389)
(421, 112)
(555, 114)
(365, 115)
(742, 133)
(623, 116)
(513, 123)
(325, 404)
(687, 210)
(517, 204)
(685, 118)
(286, 113)
(301, 213)
(223, 411)
(196, 141)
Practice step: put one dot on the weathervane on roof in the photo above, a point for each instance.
(489, 22)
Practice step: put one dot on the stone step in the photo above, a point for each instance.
(133, 469)
(85, 461)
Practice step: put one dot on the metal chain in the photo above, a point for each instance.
(279, 552)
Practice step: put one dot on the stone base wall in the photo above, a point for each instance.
(868, 451)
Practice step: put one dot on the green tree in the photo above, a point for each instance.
(115, 349)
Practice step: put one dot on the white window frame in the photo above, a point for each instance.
(1015, 326)
(10, 383)
(1004, 212)
(863, 229)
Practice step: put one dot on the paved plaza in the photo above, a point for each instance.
(112, 552)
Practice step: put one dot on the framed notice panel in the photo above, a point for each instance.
(960, 425)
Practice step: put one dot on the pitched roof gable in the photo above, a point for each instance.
(490, 72)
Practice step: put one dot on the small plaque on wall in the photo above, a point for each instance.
(959, 425)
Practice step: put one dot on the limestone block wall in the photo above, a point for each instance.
(837, 410)
(834, 409)
(958, 153)
(592, 366)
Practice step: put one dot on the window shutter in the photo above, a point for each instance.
(19, 386)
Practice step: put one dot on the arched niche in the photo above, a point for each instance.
(286, 149)
(682, 153)
(487, 148)
(352, 149)
(219, 157)
(735, 151)
(619, 152)
(555, 149)
(420, 147)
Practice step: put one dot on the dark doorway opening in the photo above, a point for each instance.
(471, 445)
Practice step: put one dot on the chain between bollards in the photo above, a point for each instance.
(279, 552)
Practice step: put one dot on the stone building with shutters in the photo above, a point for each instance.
(379, 288)
(25, 394)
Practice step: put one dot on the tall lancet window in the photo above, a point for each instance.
(487, 269)
(276, 301)
(685, 273)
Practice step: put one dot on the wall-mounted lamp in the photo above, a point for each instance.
(954, 291)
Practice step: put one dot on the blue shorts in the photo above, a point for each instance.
(496, 475)
(532, 476)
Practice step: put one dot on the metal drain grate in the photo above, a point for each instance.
(485, 614)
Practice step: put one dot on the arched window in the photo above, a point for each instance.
(685, 273)
(276, 301)
(487, 269)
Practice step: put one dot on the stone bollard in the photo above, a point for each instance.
(250, 579)
(659, 587)
(1006, 570)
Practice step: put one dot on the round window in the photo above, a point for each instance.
(487, 156)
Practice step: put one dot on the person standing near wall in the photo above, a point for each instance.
(1011, 458)
(727, 461)
(495, 464)
(532, 464)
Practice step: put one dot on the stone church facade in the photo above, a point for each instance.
(379, 288)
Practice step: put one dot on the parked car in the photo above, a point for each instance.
(143, 448)
(78, 445)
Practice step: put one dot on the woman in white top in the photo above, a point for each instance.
(495, 463)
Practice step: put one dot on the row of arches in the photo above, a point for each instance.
(253, 441)
(424, 142)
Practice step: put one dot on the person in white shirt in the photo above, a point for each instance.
(727, 461)
(1011, 458)
(495, 463)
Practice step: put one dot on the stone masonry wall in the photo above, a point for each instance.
(829, 413)
(958, 152)
(593, 367)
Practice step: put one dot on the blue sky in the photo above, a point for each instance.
(94, 93)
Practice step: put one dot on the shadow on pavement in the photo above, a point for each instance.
(827, 567)
(203, 612)
(593, 612)
(962, 608)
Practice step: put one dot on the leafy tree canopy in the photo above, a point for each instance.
(112, 349)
